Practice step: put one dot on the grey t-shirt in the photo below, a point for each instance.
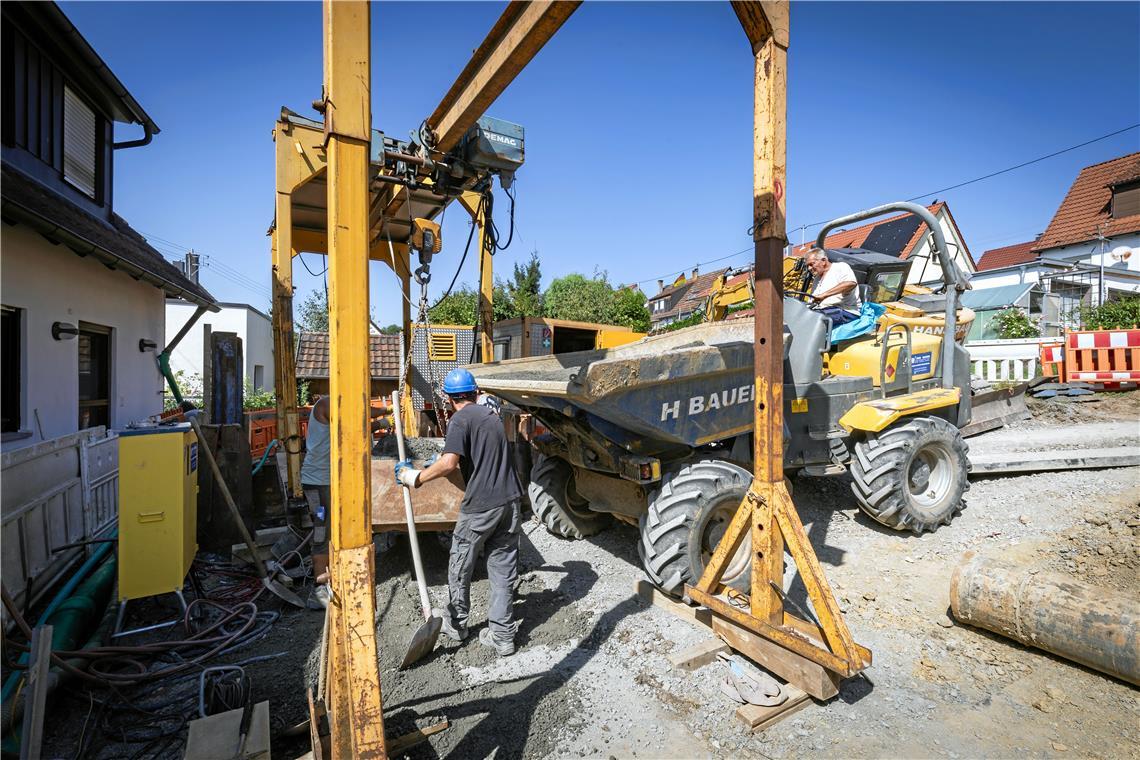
(475, 433)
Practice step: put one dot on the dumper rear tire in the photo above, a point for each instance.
(687, 517)
(557, 505)
(912, 475)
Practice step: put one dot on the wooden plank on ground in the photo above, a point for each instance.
(1041, 461)
(35, 699)
(402, 744)
(694, 657)
(813, 678)
(800, 671)
(757, 718)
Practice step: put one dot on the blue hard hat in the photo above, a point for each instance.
(459, 381)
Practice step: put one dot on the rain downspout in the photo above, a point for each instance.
(163, 358)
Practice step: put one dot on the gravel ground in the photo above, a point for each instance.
(591, 678)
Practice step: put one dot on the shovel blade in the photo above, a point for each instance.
(423, 641)
(282, 593)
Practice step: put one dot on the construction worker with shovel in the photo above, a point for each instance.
(488, 515)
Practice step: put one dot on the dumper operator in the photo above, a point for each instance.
(488, 515)
(835, 290)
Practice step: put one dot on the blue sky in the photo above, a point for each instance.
(638, 120)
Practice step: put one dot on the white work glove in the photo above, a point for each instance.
(407, 475)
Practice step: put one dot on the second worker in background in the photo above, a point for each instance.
(488, 515)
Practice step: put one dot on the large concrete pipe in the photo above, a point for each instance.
(1092, 625)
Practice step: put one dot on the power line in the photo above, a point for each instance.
(991, 175)
(957, 186)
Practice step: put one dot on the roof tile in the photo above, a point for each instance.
(1010, 255)
(313, 356)
(1086, 208)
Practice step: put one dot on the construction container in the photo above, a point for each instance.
(158, 492)
(537, 336)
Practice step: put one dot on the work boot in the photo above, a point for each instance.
(487, 639)
(446, 627)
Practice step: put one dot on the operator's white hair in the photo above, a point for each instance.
(816, 253)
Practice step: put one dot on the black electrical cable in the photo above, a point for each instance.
(462, 259)
(495, 230)
(301, 256)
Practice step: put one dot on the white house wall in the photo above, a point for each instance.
(255, 331)
(1090, 253)
(1029, 274)
(49, 283)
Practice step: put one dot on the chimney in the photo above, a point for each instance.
(660, 285)
(190, 268)
(695, 270)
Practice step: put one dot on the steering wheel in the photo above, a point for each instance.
(801, 294)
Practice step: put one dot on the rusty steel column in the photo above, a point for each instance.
(769, 169)
(356, 717)
(1094, 626)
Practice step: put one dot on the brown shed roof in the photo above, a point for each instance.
(1008, 256)
(1087, 206)
(313, 356)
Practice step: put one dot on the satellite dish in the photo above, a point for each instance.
(1121, 253)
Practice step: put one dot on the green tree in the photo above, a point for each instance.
(524, 290)
(313, 313)
(391, 330)
(630, 309)
(460, 306)
(578, 298)
(1015, 323)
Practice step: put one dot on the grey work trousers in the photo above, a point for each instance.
(497, 532)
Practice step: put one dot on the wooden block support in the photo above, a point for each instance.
(799, 671)
(698, 656)
(758, 718)
(815, 679)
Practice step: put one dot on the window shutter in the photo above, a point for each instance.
(1125, 201)
(78, 143)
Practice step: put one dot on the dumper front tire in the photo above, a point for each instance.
(912, 475)
(687, 517)
(557, 505)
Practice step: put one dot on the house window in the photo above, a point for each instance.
(1126, 200)
(94, 375)
(258, 377)
(10, 368)
(79, 143)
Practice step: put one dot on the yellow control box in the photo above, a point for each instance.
(158, 509)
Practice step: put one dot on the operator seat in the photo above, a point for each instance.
(811, 338)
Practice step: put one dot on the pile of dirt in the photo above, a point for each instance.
(1104, 405)
(419, 449)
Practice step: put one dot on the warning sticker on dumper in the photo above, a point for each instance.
(920, 364)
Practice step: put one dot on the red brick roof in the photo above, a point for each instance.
(313, 356)
(1010, 255)
(1087, 206)
(854, 238)
(697, 290)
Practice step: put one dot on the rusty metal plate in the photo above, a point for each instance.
(435, 504)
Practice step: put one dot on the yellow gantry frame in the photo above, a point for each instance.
(341, 152)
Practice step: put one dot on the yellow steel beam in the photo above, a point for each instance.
(471, 201)
(354, 689)
(513, 41)
(282, 247)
